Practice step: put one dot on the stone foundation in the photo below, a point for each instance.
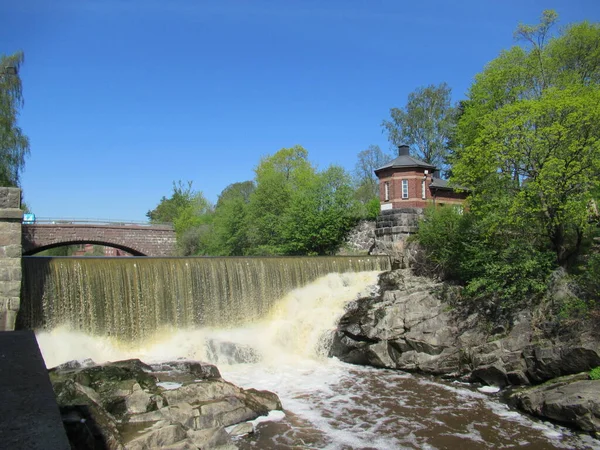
(11, 217)
(392, 229)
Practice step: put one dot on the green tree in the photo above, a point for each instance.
(320, 215)
(527, 143)
(190, 213)
(278, 178)
(14, 144)
(425, 123)
(229, 222)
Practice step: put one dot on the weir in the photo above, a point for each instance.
(133, 299)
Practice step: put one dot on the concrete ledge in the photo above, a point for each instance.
(11, 213)
(29, 416)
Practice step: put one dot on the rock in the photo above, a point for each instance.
(198, 369)
(544, 363)
(408, 326)
(492, 375)
(201, 392)
(160, 435)
(124, 402)
(138, 401)
(211, 438)
(242, 429)
(571, 400)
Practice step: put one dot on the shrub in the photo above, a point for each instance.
(441, 237)
(595, 373)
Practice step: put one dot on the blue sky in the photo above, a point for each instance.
(122, 97)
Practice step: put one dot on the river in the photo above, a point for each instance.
(329, 404)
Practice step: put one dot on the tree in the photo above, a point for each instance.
(14, 144)
(320, 216)
(278, 177)
(367, 184)
(190, 213)
(528, 145)
(425, 123)
(229, 222)
(296, 210)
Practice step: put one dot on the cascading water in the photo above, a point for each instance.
(136, 298)
(328, 404)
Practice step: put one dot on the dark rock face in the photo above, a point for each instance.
(573, 400)
(133, 405)
(407, 327)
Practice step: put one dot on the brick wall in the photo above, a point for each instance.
(394, 179)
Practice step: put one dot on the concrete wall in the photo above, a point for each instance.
(10, 256)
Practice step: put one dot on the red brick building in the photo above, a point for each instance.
(407, 182)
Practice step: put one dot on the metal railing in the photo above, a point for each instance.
(89, 221)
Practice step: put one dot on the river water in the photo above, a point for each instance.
(329, 404)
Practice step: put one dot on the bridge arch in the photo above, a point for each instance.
(139, 240)
(36, 250)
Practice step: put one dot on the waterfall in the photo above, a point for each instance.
(132, 299)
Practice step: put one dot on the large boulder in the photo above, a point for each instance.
(132, 405)
(410, 326)
(572, 400)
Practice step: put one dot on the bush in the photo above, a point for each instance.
(595, 373)
(589, 279)
(441, 236)
(500, 271)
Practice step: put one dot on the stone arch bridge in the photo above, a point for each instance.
(136, 239)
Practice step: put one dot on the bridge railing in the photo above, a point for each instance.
(87, 221)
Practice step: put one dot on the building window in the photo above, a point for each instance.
(423, 194)
(386, 191)
(404, 188)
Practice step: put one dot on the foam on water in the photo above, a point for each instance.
(328, 404)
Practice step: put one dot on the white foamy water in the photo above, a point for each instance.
(329, 404)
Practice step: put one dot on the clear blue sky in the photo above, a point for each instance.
(122, 97)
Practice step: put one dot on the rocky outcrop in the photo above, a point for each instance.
(133, 405)
(572, 400)
(408, 326)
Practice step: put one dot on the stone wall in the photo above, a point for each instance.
(392, 229)
(150, 240)
(11, 216)
(360, 240)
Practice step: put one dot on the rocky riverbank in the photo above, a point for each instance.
(130, 405)
(410, 326)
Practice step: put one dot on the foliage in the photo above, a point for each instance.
(229, 222)
(320, 215)
(441, 235)
(425, 123)
(190, 213)
(500, 274)
(278, 178)
(296, 210)
(14, 144)
(527, 145)
(289, 209)
(595, 373)
(589, 279)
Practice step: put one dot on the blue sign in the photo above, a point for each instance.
(28, 218)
